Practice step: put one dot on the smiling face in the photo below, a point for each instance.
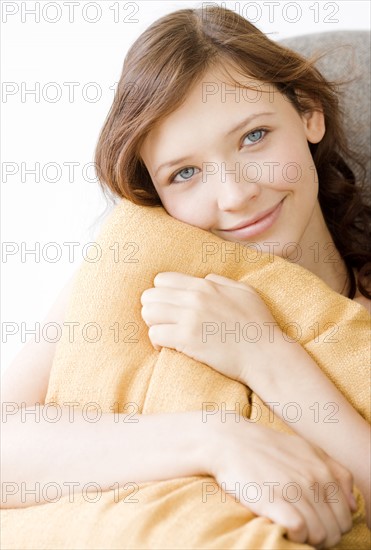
(239, 158)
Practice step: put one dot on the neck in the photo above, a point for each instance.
(320, 255)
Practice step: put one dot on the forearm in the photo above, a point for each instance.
(296, 379)
(111, 450)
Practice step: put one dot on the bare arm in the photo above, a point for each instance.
(118, 448)
(161, 446)
(114, 449)
(26, 378)
(297, 379)
(280, 372)
(167, 446)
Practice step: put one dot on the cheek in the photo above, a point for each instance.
(189, 209)
(289, 166)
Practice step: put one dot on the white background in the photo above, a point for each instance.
(44, 131)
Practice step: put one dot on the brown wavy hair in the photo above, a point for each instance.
(170, 56)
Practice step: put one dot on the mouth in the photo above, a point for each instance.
(259, 223)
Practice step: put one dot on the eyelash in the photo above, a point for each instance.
(265, 132)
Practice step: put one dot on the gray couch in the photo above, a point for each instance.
(347, 57)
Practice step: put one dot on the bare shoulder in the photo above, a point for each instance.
(365, 302)
(25, 380)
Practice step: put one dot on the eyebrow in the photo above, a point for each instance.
(239, 126)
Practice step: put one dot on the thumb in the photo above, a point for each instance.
(219, 279)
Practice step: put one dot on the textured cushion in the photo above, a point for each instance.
(111, 369)
(347, 57)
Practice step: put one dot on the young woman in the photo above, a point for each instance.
(239, 136)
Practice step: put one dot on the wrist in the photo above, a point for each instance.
(274, 364)
(207, 440)
(202, 440)
(219, 440)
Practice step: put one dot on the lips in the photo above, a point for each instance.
(255, 226)
(253, 220)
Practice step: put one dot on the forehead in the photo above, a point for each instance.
(221, 97)
(226, 84)
(223, 86)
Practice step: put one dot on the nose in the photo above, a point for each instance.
(235, 188)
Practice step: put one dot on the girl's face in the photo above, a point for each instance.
(233, 157)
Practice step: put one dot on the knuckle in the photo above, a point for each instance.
(347, 477)
(324, 473)
(310, 479)
(333, 539)
(145, 309)
(318, 537)
(347, 524)
(197, 298)
(297, 526)
(189, 319)
(153, 333)
(342, 471)
(148, 313)
(320, 476)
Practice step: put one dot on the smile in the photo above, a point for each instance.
(260, 224)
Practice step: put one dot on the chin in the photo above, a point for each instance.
(290, 250)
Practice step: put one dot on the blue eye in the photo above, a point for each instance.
(255, 136)
(186, 173)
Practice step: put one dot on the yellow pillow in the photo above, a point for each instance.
(108, 359)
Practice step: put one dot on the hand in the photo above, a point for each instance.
(284, 478)
(191, 315)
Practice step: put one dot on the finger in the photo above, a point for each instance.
(285, 514)
(316, 527)
(329, 516)
(338, 503)
(176, 297)
(171, 336)
(345, 479)
(173, 279)
(164, 336)
(158, 314)
(219, 279)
